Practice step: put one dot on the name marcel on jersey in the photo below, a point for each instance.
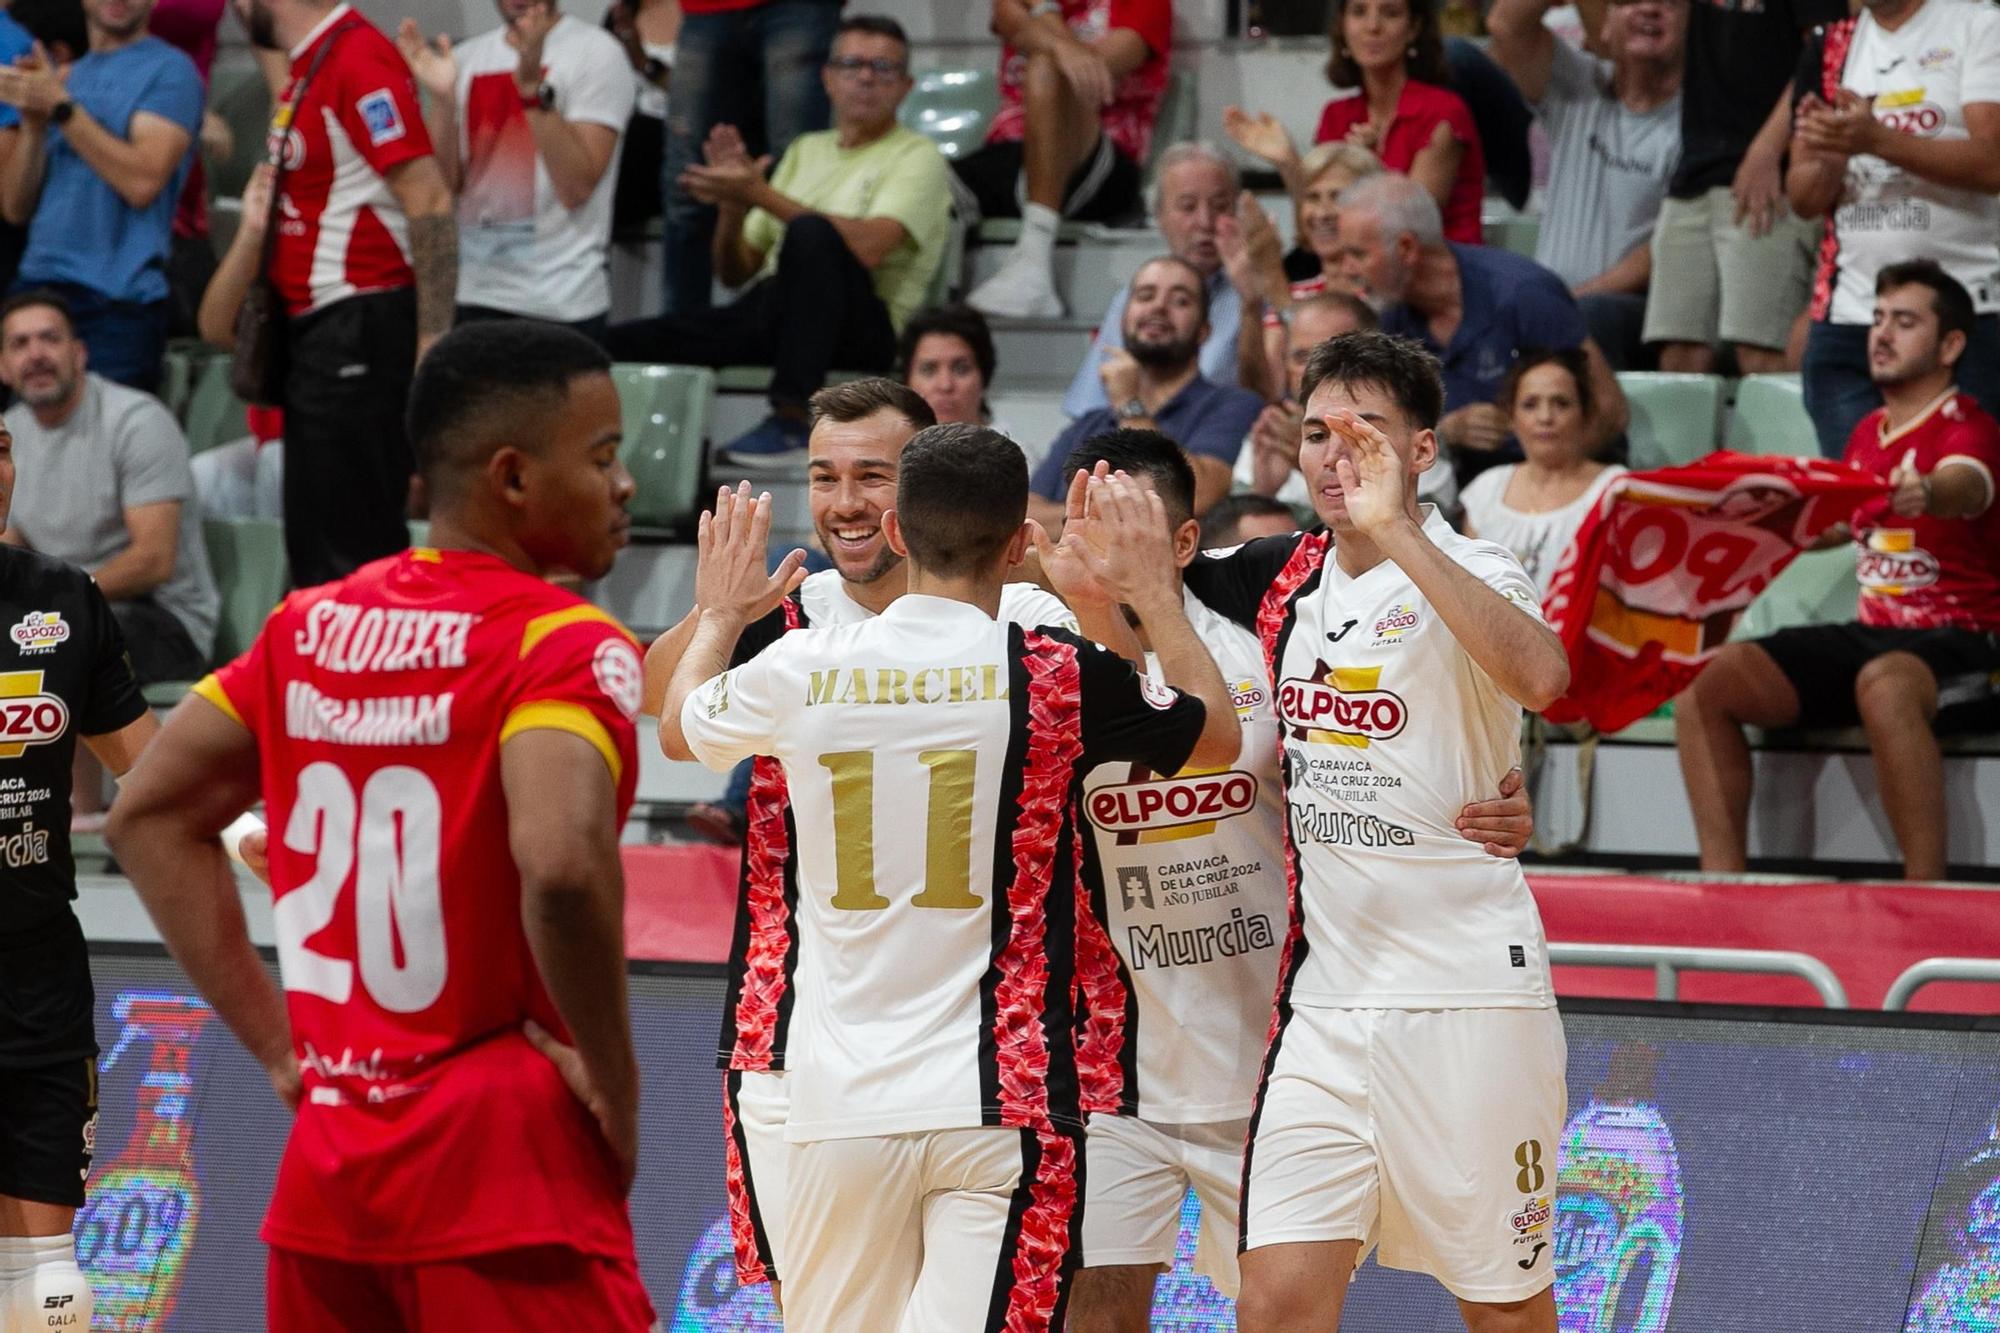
(893, 685)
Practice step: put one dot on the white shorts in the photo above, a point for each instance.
(932, 1232)
(1138, 1172)
(756, 1158)
(1431, 1132)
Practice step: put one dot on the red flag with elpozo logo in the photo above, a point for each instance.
(1668, 559)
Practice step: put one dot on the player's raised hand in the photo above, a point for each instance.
(1373, 481)
(1503, 826)
(732, 577)
(1128, 548)
(617, 1118)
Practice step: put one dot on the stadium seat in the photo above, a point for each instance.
(238, 94)
(665, 411)
(248, 557)
(1818, 588)
(1675, 418)
(1770, 418)
(215, 415)
(177, 371)
(1518, 234)
(952, 107)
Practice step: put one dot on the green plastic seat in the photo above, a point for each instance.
(1770, 418)
(177, 371)
(251, 574)
(1675, 418)
(1818, 588)
(238, 94)
(665, 411)
(215, 415)
(1518, 234)
(952, 107)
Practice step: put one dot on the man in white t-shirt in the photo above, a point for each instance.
(537, 108)
(859, 429)
(1896, 142)
(1186, 874)
(1413, 1090)
(931, 755)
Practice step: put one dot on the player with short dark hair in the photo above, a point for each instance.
(445, 741)
(936, 1087)
(854, 457)
(1241, 518)
(1414, 984)
(1192, 1023)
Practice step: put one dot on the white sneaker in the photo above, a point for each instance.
(1022, 289)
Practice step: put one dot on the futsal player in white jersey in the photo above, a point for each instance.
(1187, 873)
(859, 429)
(1413, 1089)
(933, 757)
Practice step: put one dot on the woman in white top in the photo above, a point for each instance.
(1534, 508)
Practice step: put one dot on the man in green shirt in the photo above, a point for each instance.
(838, 246)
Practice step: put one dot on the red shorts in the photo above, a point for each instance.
(532, 1290)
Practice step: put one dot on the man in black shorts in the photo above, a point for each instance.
(64, 674)
(1081, 82)
(1924, 658)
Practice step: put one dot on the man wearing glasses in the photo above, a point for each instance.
(838, 246)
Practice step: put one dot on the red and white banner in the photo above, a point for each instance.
(1667, 561)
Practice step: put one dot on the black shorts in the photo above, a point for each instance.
(48, 1131)
(1823, 661)
(1105, 188)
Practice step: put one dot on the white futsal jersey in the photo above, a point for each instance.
(1389, 729)
(932, 758)
(1192, 882)
(757, 1005)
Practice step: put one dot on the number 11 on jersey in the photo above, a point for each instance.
(947, 831)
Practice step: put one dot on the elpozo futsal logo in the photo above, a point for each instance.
(40, 632)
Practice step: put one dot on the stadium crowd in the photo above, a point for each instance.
(1728, 189)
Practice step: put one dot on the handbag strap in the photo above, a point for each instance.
(289, 112)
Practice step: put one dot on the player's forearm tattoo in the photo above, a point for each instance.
(434, 255)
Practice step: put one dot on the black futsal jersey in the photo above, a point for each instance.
(64, 673)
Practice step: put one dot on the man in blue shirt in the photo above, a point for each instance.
(95, 175)
(1473, 307)
(1153, 381)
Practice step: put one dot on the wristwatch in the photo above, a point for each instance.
(1133, 407)
(60, 113)
(1041, 7)
(542, 99)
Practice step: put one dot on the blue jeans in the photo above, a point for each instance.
(757, 69)
(1838, 391)
(127, 341)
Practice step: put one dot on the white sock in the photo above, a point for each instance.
(1038, 236)
(41, 1287)
(22, 1255)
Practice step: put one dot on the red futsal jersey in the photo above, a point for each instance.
(356, 118)
(1929, 573)
(430, 1129)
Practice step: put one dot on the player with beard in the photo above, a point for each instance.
(1155, 383)
(1412, 1091)
(1923, 658)
(1192, 1019)
(858, 433)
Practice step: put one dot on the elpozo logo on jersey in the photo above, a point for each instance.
(1246, 694)
(1351, 704)
(27, 715)
(1893, 563)
(1397, 621)
(40, 632)
(1163, 803)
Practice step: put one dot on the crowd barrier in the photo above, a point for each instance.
(1615, 933)
(1783, 1170)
